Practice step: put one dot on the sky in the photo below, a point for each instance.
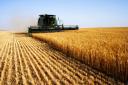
(17, 15)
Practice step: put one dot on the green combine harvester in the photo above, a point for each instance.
(49, 23)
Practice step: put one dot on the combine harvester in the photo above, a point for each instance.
(49, 23)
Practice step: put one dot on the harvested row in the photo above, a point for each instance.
(24, 60)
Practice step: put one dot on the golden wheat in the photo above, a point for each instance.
(103, 49)
(26, 61)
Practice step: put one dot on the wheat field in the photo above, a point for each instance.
(26, 61)
(104, 49)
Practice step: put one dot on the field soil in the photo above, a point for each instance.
(27, 61)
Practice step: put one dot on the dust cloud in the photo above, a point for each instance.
(21, 23)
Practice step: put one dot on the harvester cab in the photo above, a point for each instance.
(49, 23)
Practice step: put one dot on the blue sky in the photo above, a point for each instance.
(19, 14)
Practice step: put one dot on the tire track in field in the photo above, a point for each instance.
(26, 61)
(11, 74)
(21, 67)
